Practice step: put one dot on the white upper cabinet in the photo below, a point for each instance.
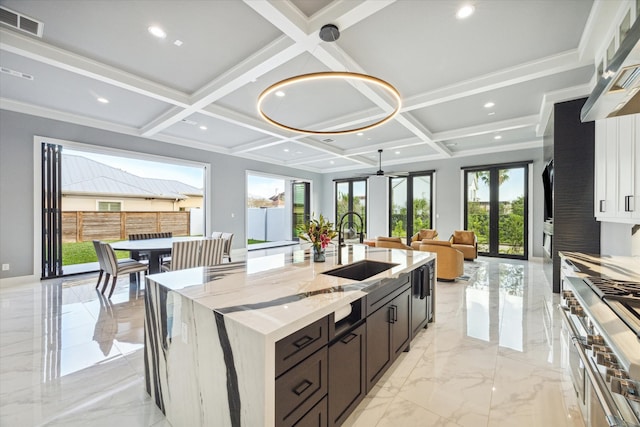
(617, 169)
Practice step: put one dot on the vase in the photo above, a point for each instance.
(318, 254)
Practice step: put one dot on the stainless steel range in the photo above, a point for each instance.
(602, 332)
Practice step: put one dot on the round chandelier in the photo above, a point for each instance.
(330, 33)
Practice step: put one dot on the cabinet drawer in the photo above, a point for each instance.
(301, 388)
(300, 344)
(316, 417)
(379, 297)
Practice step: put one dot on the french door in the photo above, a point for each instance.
(410, 204)
(496, 206)
(300, 209)
(351, 196)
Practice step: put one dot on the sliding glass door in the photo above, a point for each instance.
(496, 200)
(410, 204)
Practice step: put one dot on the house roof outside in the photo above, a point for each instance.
(81, 175)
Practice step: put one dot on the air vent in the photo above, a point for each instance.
(189, 122)
(21, 22)
(16, 73)
(327, 140)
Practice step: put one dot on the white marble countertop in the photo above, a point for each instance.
(275, 295)
(614, 267)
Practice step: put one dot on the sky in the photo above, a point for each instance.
(148, 169)
(261, 186)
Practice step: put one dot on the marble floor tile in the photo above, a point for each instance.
(69, 357)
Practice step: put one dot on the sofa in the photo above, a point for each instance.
(423, 234)
(466, 242)
(390, 242)
(449, 261)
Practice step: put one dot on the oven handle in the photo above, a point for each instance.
(595, 380)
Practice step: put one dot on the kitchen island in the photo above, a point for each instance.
(275, 341)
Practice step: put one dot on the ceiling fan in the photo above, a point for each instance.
(380, 172)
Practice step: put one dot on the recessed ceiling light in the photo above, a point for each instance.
(489, 104)
(157, 31)
(465, 11)
(451, 144)
(331, 162)
(103, 100)
(203, 127)
(397, 152)
(497, 137)
(359, 133)
(492, 113)
(280, 93)
(286, 150)
(178, 42)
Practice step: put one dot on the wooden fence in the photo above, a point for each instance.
(78, 226)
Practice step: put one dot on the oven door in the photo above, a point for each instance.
(574, 364)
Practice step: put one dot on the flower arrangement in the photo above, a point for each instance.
(318, 232)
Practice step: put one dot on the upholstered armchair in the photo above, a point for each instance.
(449, 261)
(466, 242)
(424, 234)
(390, 242)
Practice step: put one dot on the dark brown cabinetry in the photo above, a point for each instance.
(325, 369)
(388, 327)
(422, 282)
(347, 385)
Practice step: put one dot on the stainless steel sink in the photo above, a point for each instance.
(360, 270)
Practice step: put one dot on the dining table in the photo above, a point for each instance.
(154, 248)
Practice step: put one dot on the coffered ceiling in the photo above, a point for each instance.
(523, 56)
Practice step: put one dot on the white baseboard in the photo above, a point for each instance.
(19, 280)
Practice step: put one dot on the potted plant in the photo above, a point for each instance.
(319, 233)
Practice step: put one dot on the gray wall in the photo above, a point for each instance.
(17, 174)
(448, 186)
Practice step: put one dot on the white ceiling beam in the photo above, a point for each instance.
(258, 64)
(551, 65)
(31, 48)
(501, 126)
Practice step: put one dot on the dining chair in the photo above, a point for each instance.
(216, 235)
(141, 255)
(228, 238)
(211, 252)
(101, 263)
(183, 255)
(114, 268)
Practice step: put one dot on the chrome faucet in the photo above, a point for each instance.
(340, 235)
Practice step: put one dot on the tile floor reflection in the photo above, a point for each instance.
(69, 357)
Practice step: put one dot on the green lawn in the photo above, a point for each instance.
(83, 252)
(251, 241)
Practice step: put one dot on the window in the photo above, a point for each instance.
(411, 204)
(351, 195)
(109, 206)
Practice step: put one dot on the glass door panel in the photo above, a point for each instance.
(399, 207)
(300, 209)
(511, 212)
(478, 207)
(360, 202)
(342, 200)
(421, 203)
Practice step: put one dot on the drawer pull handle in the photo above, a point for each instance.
(302, 387)
(348, 338)
(603, 206)
(303, 341)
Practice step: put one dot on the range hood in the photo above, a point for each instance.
(616, 92)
